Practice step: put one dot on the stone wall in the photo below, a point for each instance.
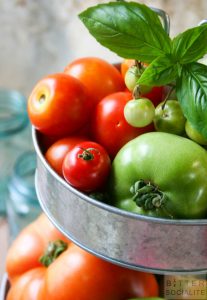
(39, 37)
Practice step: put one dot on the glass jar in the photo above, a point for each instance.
(13, 136)
(22, 203)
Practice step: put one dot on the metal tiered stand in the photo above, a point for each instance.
(155, 245)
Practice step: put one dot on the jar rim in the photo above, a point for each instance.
(13, 112)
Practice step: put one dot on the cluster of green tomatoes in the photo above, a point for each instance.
(167, 116)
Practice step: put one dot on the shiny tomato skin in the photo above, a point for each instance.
(156, 95)
(59, 105)
(27, 287)
(87, 166)
(26, 249)
(87, 277)
(99, 76)
(75, 274)
(109, 127)
(57, 151)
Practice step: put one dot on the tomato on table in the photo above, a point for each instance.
(99, 76)
(59, 105)
(108, 125)
(87, 166)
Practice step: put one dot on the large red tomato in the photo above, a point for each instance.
(109, 127)
(99, 76)
(59, 105)
(56, 152)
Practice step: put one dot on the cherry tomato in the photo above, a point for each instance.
(57, 152)
(59, 105)
(139, 112)
(194, 135)
(169, 117)
(131, 80)
(156, 94)
(100, 77)
(109, 127)
(86, 166)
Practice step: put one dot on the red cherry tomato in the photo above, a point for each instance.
(87, 166)
(57, 152)
(100, 77)
(109, 127)
(59, 105)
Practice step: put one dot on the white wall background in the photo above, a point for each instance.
(39, 37)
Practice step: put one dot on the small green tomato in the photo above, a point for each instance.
(194, 135)
(169, 118)
(131, 78)
(139, 112)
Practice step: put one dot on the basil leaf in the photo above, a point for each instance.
(160, 72)
(190, 45)
(129, 29)
(191, 90)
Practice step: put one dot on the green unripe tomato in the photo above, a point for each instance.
(160, 174)
(139, 112)
(169, 118)
(194, 135)
(131, 78)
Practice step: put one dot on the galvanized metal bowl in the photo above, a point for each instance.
(4, 287)
(160, 246)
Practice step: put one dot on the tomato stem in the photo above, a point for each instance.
(171, 89)
(147, 196)
(53, 250)
(87, 154)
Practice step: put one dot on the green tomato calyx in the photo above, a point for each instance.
(53, 250)
(87, 154)
(147, 196)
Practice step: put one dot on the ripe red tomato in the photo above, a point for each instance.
(87, 166)
(100, 77)
(59, 105)
(109, 127)
(57, 152)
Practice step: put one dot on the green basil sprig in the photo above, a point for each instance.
(191, 89)
(130, 29)
(133, 30)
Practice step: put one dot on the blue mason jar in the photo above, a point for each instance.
(22, 203)
(14, 136)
